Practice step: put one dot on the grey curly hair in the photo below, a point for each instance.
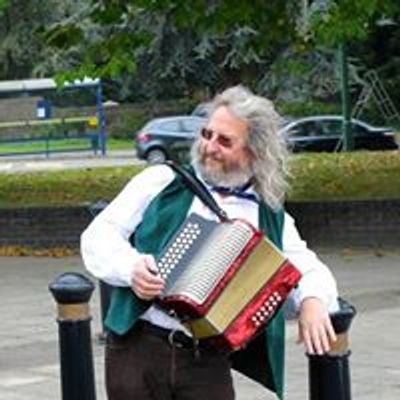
(269, 166)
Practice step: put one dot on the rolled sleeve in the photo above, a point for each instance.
(317, 280)
(105, 247)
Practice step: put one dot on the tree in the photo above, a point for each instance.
(23, 51)
(178, 44)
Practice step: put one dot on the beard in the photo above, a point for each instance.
(217, 171)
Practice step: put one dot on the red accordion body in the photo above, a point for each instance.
(224, 280)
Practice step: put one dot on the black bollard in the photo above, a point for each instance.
(329, 374)
(72, 292)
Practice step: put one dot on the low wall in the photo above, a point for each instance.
(358, 223)
(329, 223)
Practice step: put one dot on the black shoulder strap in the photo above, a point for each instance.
(199, 189)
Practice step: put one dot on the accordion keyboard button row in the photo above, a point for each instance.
(266, 309)
(175, 253)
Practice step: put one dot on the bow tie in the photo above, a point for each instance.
(239, 191)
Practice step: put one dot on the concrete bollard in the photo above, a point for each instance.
(72, 292)
(329, 374)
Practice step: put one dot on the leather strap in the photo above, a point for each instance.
(200, 190)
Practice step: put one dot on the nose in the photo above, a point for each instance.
(211, 145)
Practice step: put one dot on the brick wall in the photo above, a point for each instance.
(349, 223)
(329, 223)
(42, 227)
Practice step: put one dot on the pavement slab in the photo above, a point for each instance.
(29, 367)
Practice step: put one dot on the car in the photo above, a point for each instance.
(168, 138)
(202, 110)
(325, 133)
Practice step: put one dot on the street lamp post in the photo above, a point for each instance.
(348, 140)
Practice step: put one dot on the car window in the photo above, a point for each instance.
(173, 126)
(307, 128)
(191, 125)
(332, 127)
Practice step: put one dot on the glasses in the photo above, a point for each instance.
(222, 140)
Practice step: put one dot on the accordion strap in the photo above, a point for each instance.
(199, 189)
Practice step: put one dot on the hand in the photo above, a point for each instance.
(315, 327)
(145, 279)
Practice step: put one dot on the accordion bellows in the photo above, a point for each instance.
(224, 280)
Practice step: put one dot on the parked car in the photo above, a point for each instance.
(202, 110)
(325, 133)
(167, 138)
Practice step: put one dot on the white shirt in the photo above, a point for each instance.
(109, 256)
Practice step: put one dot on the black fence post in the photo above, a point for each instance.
(329, 374)
(72, 292)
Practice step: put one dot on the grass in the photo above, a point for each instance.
(358, 175)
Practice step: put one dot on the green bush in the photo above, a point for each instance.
(357, 175)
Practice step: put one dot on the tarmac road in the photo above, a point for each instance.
(29, 367)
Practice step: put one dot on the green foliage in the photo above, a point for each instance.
(346, 20)
(3, 5)
(304, 108)
(64, 187)
(357, 175)
(23, 51)
(174, 46)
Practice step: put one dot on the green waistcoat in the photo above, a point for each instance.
(263, 358)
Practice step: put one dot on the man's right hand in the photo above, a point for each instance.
(146, 282)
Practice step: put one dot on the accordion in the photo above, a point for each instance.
(224, 281)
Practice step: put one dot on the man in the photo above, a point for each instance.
(150, 354)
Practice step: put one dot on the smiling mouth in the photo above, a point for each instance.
(210, 157)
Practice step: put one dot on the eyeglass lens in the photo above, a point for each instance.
(222, 140)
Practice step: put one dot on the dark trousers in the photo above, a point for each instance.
(145, 366)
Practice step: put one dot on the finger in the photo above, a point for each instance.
(146, 287)
(147, 292)
(151, 278)
(307, 341)
(150, 263)
(324, 340)
(331, 332)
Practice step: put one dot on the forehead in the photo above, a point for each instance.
(224, 121)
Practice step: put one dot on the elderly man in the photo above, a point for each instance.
(239, 150)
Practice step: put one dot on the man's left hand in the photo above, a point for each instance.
(315, 327)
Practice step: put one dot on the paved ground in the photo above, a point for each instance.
(29, 367)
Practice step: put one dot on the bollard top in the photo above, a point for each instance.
(341, 320)
(71, 288)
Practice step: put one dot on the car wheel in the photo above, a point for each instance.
(156, 156)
